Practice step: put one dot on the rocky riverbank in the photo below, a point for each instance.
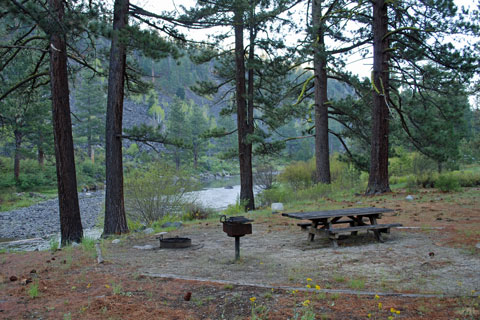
(42, 219)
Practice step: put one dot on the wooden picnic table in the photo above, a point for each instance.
(322, 222)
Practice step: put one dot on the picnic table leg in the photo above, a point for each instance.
(373, 221)
(353, 224)
(313, 228)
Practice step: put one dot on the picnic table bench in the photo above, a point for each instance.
(359, 219)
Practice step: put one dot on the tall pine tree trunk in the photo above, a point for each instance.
(41, 157)
(115, 219)
(378, 179)
(322, 157)
(16, 160)
(243, 115)
(70, 222)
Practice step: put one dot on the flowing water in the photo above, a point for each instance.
(216, 194)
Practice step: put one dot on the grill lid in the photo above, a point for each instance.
(238, 219)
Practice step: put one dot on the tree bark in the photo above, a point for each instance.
(41, 157)
(16, 160)
(378, 178)
(244, 115)
(115, 219)
(322, 156)
(70, 222)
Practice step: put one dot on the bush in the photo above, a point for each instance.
(156, 192)
(195, 211)
(265, 176)
(467, 178)
(343, 173)
(276, 194)
(427, 179)
(234, 209)
(447, 183)
(315, 192)
(299, 175)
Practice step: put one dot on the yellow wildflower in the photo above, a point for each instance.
(377, 297)
(89, 285)
(392, 310)
(107, 286)
(379, 305)
(369, 315)
(309, 286)
(306, 303)
(253, 299)
(309, 279)
(390, 318)
(317, 287)
(397, 312)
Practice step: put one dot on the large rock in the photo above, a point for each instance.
(145, 247)
(148, 231)
(277, 207)
(176, 224)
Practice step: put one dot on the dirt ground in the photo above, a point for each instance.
(429, 270)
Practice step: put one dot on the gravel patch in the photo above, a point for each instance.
(409, 261)
(42, 219)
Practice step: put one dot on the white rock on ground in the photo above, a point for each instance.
(116, 241)
(277, 207)
(409, 197)
(145, 247)
(148, 231)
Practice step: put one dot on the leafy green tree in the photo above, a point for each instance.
(406, 35)
(435, 123)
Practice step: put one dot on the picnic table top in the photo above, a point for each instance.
(314, 215)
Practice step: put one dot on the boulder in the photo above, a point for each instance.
(277, 207)
(176, 224)
(145, 247)
(148, 231)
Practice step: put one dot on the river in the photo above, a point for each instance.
(32, 228)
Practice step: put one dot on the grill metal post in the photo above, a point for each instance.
(237, 248)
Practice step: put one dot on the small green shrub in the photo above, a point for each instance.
(467, 178)
(427, 179)
(315, 192)
(54, 244)
(299, 175)
(88, 246)
(156, 192)
(33, 290)
(195, 211)
(343, 173)
(279, 193)
(411, 183)
(447, 183)
(234, 209)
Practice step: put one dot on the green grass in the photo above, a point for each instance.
(356, 284)
(33, 290)
(10, 199)
(88, 246)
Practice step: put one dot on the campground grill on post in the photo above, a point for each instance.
(236, 227)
